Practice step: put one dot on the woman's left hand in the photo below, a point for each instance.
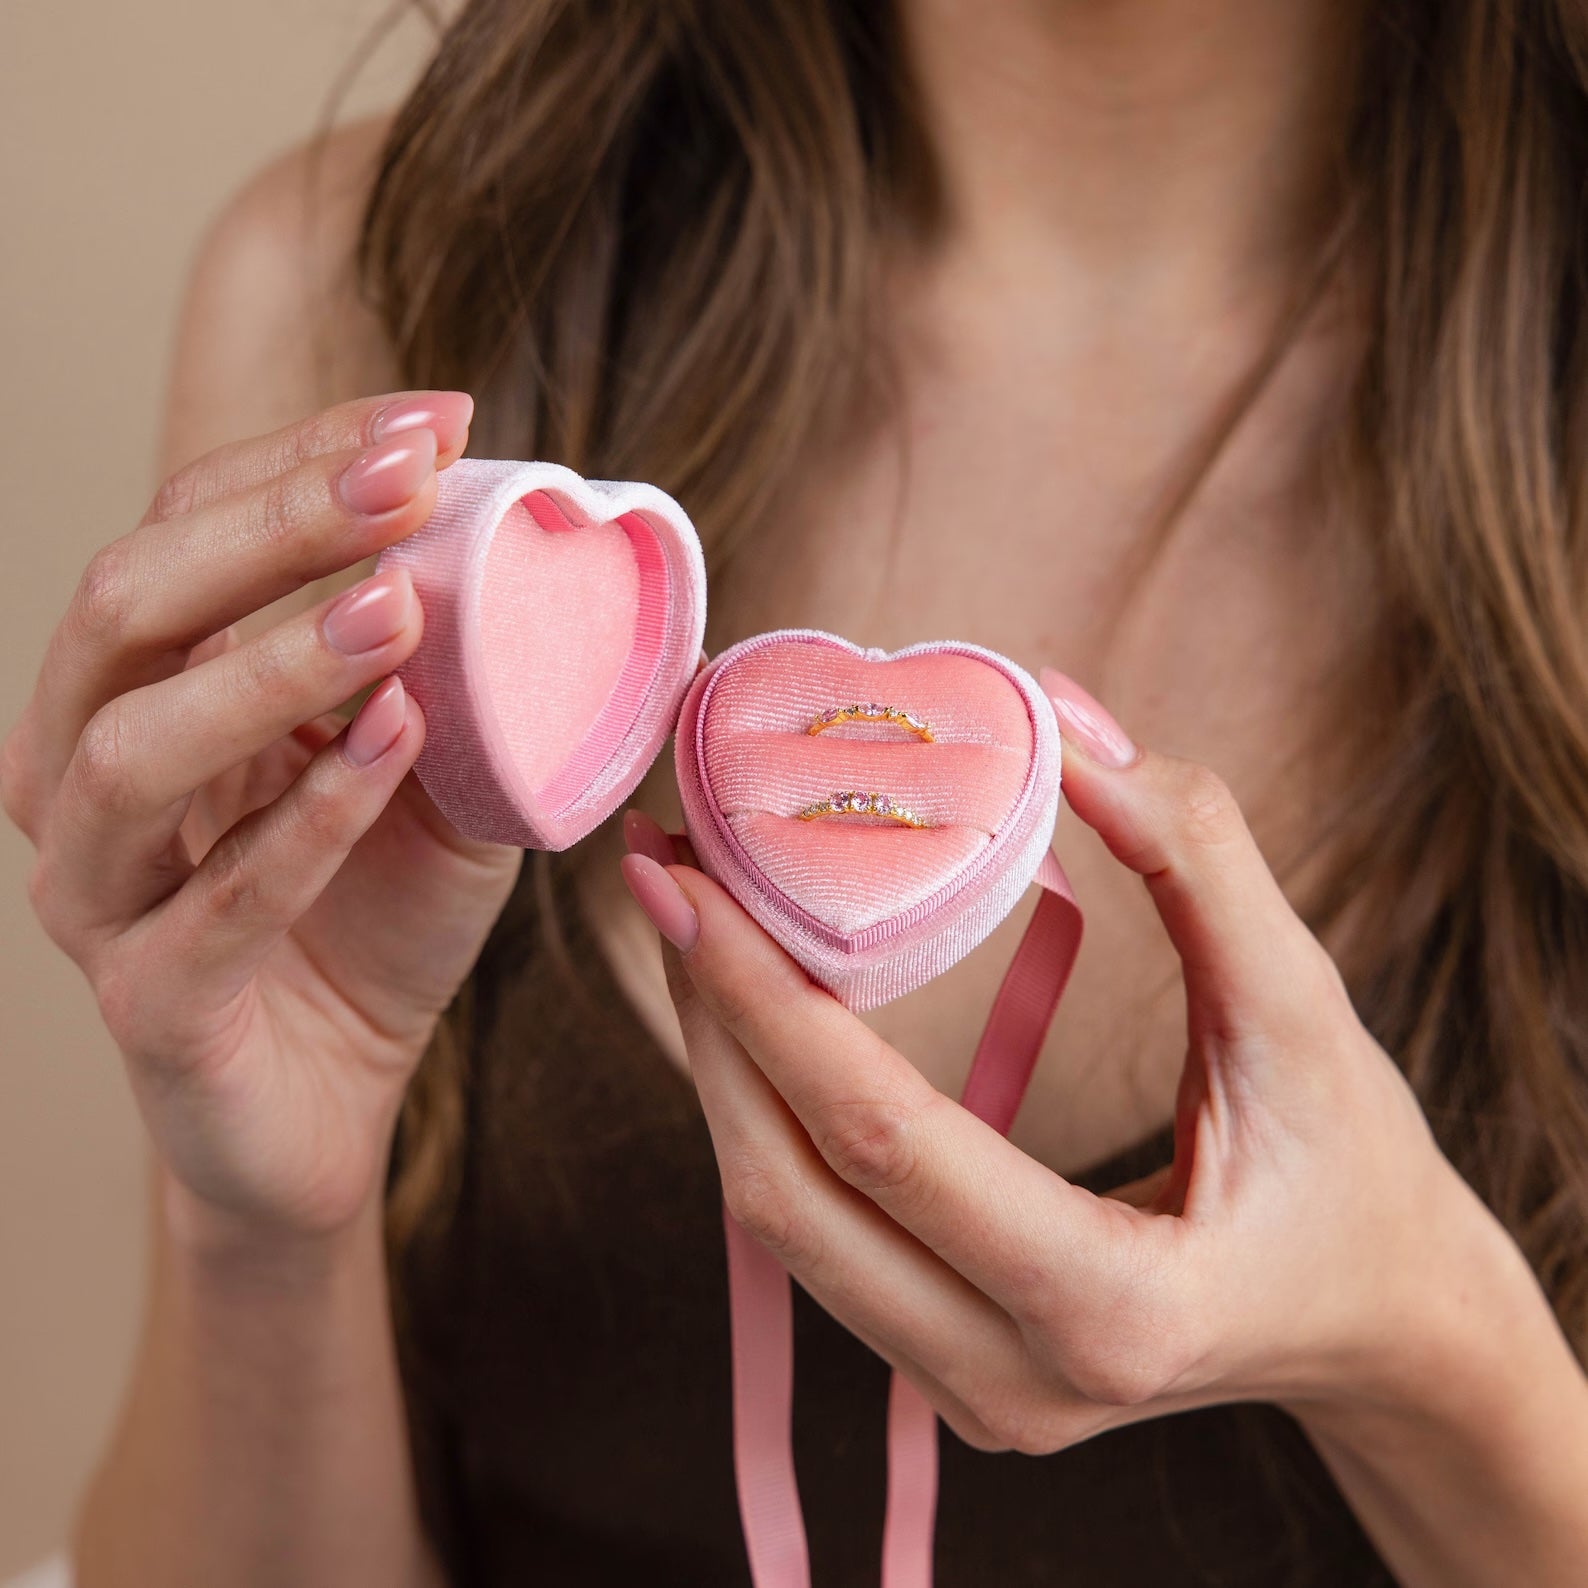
(1310, 1244)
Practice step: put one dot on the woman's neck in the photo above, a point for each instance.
(1153, 150)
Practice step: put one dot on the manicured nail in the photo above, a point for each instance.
(1082, 719)
(643, 836)
(445, 414)
(663, 901)
(389, 474)
(370, 613)
(379, 723)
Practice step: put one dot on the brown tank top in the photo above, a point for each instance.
(565, 1358)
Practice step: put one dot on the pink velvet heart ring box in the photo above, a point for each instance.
(563, 622)
(877, 814)
(870, 905)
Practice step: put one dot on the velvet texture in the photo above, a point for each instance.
(869, 908)
(563, 622)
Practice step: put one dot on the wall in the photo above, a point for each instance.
(122, 129)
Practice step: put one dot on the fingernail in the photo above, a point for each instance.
(370, 613)
(379, 723)
(445, 414)
(643, 836)
(389, 474)
(1086, 722)
(662, 900)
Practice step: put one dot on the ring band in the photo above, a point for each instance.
(846, 804)
(872, 713)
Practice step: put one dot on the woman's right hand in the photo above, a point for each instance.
(271, 913)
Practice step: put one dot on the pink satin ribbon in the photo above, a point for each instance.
(760, 1299)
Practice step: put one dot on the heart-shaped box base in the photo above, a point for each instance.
(563, 623)
(871, 908)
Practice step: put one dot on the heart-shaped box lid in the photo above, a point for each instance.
(870, 906)
(563, 623)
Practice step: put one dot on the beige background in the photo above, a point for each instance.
(122, 130)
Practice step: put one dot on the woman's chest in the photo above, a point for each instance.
(1234, 645)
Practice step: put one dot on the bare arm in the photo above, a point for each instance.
(1476, 1472)
(270, 974)
(263, 1438)
(1310, 1246)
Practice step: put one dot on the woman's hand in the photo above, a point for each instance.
(1309, 1246)
(270, 932)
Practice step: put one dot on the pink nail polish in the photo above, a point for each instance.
(446, 414)
(663, 901)
(379, 723)
(370, 613)
(389, 474)
(642, 836)
(1084, 721)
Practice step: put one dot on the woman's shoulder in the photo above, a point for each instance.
(272, 325)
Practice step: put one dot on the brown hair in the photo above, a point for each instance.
(642, 235)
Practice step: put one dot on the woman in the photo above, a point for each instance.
(1229, 357)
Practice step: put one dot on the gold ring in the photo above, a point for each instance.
(872, 713)
(847, 804)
